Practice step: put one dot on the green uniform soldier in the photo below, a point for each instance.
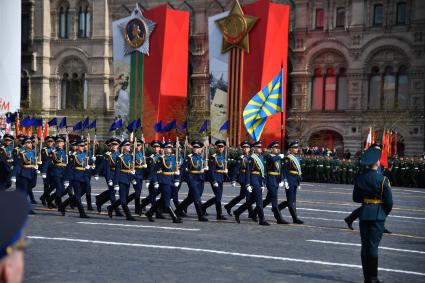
(374, 192)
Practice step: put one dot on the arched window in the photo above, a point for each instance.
(389, 88)
(401, 13)
(319, 19)
(72, 92)
(329, 99)
(374, 96)
(342, 89)
(84, 20)
(317, 90)
(340, 18)
(64, 18)
(402, 99)
(378, 15)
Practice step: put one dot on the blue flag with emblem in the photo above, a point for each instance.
(86, 123)
(92, 125)
(158, 127)
(116, 125)
(62, 124)
(204, 127)
(266, 102)
(183, 126)
(132, 126)
(53, 122)
(224, 127)
(78, 126)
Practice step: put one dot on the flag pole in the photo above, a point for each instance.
(282, 140)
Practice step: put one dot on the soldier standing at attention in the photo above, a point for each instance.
(292, 175)
(374, 192)
(6, 162)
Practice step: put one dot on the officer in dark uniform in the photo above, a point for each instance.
(255, 185)
(215, 174)
(176, 190)
(122, 179)
(108, 168)
(374, 192)
(152, 182)
(13, 215)
(24, 173)
(240, 175)
(292, 180)
(194, 168)
(45, 170)
(274, 180)
(6, 162)
(168, 177)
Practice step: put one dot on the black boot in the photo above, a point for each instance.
(59, 202)
(349, 222)
(386, 231)
(128, 215)
(101, 199)
(182, 207)
(283, 205)
(199, 212)
(89, 204)
(207, 204)
(118, 212)
(112, 207)
(81, 211)
(262, 221)
(373, 269)
(365, 265)
(137, 209)
(278, 216)
(252, 213)
(219, 211)
(228, 209)
(63, 205)
(295, 218)
(175, 218)
(149, 215)
(352, 217)
(43, 198)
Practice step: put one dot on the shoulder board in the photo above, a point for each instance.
(152, 156)
(242, 156)
(121, 155)
(53, 150)
(108, 153)
(214, 154)
(190, 155)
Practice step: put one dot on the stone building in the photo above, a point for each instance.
(352, 65)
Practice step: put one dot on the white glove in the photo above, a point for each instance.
(177, 173)
(206, 168)
(66, 184)
(249, 189)
(286, 184)
(215, 185)
(134, 182)
(110, 183)
(226, 171)
(281, 184)
(282, 156)
(94, 158)
(96, 177)
(263, 188)
(176, 184)
(13, 179)
(299, 187)
(156, 185)
(147, 185)
(116, 188)
(133, 172)
(88, 167)
(233, 184)
(38, 171)
(145, 166)
(44, 175)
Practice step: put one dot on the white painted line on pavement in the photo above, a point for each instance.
(139, 226)
(358, 245)
(348, 212)
(223, 253)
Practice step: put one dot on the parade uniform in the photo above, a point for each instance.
(58, 171)
(215, 174)
(140, 168)
(292, 175)
(176, 189)
(193, 167)
(374, 192)
(6, 163)
(25, 170)
(122, 179)
(240, 174)
(255, 185)
(45, 172)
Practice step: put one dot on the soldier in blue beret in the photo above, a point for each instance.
(373, 191)
(13, 215)
(24, 173)
(240, 175)
(217, 170)
(6, 162)
(45, 170)
(176, 189)
(291, 181)
(194, 168)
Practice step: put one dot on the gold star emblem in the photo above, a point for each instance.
(235, 28)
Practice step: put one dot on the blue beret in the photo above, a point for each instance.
(371, 156)
(60, 138)
(245, 144)
(8, 137)
(155, 143)
(26, 139)
(294, 144)
(273, 144)
(197, 144)
(125, 142)
(220, 143)
(167, 144)
(257, 144)
(80, 142)
(48, 138)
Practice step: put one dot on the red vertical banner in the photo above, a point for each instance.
(46, 129)
(166, 69)
(268, 53)
(384, 152)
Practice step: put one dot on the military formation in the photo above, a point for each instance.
(68, 166)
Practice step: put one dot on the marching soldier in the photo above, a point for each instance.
(6, 162)
(274, 180)
(59, 163)
(240, 175)
(176, 190)
(140, 168)
(216, 172)
(194, 170)
(374, 192)
(45, 170)
(24, 172)
(89, 174)
(255, 184)
(122, 179)
(108, 168)
(292, 175)
(152, 183)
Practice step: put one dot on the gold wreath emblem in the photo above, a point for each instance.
(138, 29)
(234, 28)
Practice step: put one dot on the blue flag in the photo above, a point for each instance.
(53, 122)
(132, 126)
(171, 125)
(116, 125)
(92, 125)
(183, 126)
(158, 127)
(78, 126)
(266, 102)
(27, 122)
(224, 127)
(204, 126)
(86, 123)
(10, 117)
(37, 122)
(139, 123)
(62, 124)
